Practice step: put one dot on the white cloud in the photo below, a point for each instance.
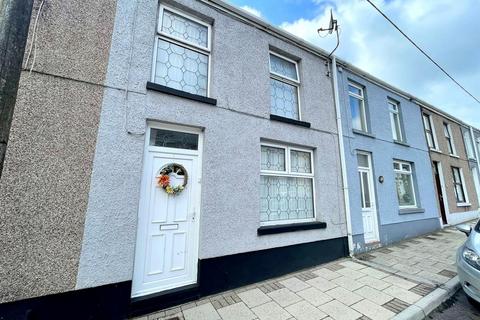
(447, 30)
(252, 10)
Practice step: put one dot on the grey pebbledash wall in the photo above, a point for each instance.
(230, 211)
(46, 178)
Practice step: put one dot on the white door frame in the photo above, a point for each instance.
(371, 187)
(444, 193)
(196, 198)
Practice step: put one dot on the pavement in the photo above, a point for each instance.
(407, 280)
(456, 308)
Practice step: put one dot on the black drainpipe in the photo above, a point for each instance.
(14, 23)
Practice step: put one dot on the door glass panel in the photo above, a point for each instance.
(173, 139)
(362, 160)
(366, 190)
(361, 190)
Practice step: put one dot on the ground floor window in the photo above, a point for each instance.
(286, 184)
(459, 185)
(405, 184)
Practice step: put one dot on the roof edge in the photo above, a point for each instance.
(287, 36)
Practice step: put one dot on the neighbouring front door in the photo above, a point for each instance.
(438, 184)
(166, 252)
(367, 194)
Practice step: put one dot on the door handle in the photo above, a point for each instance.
(194, 214)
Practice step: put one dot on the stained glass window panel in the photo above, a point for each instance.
(273, 159)
(284, 99)
(283, 67)
(183, 28)
(173, 139)
(286, 198)
(181, 68)
(300, 162)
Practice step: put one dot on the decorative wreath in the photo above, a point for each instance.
(164, 178)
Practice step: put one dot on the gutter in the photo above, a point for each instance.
(315, 50)
(346, 195)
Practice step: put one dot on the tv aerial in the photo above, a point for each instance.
(332, 27)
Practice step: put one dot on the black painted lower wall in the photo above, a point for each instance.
(215, 275)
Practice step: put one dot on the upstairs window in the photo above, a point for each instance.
(357, 107)
(467, 138)
(459, 186)
(404, 184)
(395, 120)
(449, 137)
(284, 83)
(182, 53)
(429, 132)
(286, 185)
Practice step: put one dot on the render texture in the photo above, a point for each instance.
(46, 178)
(233, 130)
(394, 224)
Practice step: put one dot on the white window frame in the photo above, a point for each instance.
(160, 35)
(468, 142)
(364, 107)
(392, 103)
(477, 146)
(464, 187)
(432, 130)
(287, 80)
(409, 172)
(288, 173)
(449, 139)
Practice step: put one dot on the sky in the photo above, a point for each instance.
(449, 31)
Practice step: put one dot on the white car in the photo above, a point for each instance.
(468, 262)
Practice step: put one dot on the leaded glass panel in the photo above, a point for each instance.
(283, 67)
(300, 161)
(286, 198)
(183, 28)
(284, 99)
(181, 68)
(173, 139)
(273, 159)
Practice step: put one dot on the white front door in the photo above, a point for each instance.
(367, 194)
(166, 252)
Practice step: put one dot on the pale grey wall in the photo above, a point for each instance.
(231, 156)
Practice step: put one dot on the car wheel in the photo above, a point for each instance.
(473, 302)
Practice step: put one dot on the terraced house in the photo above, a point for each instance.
(471, 138)
(454, 183)
(392, 196)
(163, 151)
(193, 149)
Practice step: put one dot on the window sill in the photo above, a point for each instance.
(264, 230)
(436, 150)
(401, 143)
(464, 204)
(179, 93)
(290, 121)
(363, 133)
(411, 210)
(454, 156)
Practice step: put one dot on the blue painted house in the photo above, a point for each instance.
(391, 188)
